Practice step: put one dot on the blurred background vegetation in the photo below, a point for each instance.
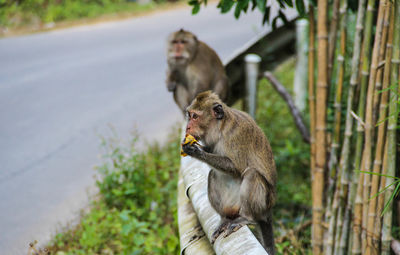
(38, 13)
(292, 210)
(136, 210)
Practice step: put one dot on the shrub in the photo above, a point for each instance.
(137, 209)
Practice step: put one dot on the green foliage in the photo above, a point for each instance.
(262, 5)
(137, 209)
(290, 152)
(17, 13)
(395, 183)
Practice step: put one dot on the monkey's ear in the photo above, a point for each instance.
(218, 112)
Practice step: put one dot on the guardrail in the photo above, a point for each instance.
(197, 219)
(272, 46)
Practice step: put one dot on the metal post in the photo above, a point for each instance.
(300, 77)
(252, 66)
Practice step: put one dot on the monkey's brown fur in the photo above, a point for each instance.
(193, 67)
(241, 183)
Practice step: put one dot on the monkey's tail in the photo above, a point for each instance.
(267, 235)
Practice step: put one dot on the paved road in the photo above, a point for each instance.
(59, 90)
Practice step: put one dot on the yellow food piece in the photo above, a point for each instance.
(189, 139)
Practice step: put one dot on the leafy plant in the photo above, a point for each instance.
(395, 183)
(137, 208)
(242, 6)
(30, 12)
(291, 157)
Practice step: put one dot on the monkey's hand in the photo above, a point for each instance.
(193, 150)
(191, 147)
(189, 140)
(171, 80)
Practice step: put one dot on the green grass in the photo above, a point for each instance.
(29, 13)
(136, 209)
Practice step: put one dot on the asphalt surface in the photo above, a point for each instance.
(60, 90)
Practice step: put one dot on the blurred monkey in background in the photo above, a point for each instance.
(193, 67)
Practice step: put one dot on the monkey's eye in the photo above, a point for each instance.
(183, 41)
(194, 116)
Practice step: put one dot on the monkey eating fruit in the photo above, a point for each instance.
(193, 67)
(241, 182)
(188, 140)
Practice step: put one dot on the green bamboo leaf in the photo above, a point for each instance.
(246, 7)
(238, 10)
(254, 4)
(274, 21)
(240, 5)
(383, 190)
(226, 5)
(301, 9)
(388, 117)
(283, 17)
(261, 4)
(387, 205)
(196, 9)
(289, 3)
(281, 4)
(266, 15)
(385, 175)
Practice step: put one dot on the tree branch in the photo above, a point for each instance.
(293, 232)
(298, 119)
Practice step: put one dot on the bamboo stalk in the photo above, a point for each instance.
(356, 238)
(311, 82)
(345, 153)
(379, 77)
(320, 128)
(367, 153)
(334, 146)
(340, 215)
(330, 234)
(334, 208)
(373, 235)
(343, 187)
(391, 131)
(344, 242)
(381, 198)
(357, 221)
(332, 36)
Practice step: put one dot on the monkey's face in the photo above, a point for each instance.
(182, 46)
(195, 125)
(201, 123)
(205, 114)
